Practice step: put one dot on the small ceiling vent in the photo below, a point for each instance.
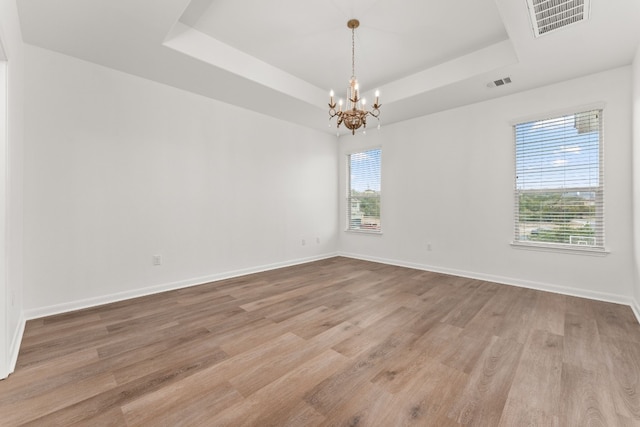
(551, 15)
(500, 82)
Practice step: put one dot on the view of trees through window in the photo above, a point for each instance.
(558, 217)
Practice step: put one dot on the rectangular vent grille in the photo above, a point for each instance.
(500, 82)
(550, 15)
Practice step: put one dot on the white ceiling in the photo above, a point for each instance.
(281, 57)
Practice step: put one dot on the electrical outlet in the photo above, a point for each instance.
(157, 259)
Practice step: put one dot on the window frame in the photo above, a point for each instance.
(600, 247)
(348, 197)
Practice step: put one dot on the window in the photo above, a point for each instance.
(559, 189)
(363, 192)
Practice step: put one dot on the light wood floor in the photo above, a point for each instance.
(334, 342)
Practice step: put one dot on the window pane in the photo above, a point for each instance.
(559, 181)
(363, 199)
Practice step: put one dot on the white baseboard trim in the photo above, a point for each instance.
(51, 310)
(539, 286)
(635, 306)
(14, 349)
(106, 299)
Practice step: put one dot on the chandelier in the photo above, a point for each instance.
(354, 114)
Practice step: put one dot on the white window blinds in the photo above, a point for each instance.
(559, 188)
(363, 192)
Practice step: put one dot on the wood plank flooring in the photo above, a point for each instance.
(330, 343)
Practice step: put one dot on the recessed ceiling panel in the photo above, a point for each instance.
(310, 39)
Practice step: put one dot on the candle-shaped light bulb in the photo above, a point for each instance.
(377, 96)
(331, 96)
(364, 101)
(340, 105)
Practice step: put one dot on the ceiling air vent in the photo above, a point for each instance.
(499, 82)
(550, 15)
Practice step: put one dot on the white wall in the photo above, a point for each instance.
(118, 169)
(636, 174)
(11, 285)
(447, 179)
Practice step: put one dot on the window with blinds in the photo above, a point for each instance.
(363, 191)
(559, 188)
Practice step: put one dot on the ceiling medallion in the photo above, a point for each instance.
(354, 114)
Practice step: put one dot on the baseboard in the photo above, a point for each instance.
(135, 293)
(14, 349)
(106, 299)
(599, 296)
(635, 306)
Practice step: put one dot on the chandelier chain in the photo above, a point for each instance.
(353, 52)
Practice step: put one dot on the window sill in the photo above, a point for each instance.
(567, 249)
(366, 232)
